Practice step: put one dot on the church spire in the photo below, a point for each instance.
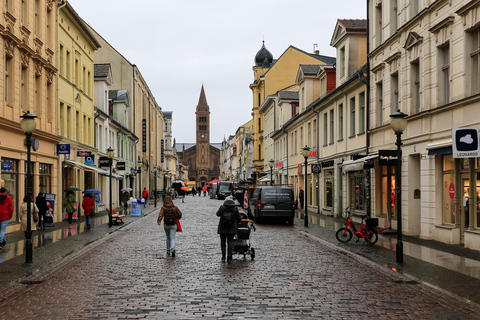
(202, 101)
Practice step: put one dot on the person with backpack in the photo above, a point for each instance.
(170, 214)
(227, 226)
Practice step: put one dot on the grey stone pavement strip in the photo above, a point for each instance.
(127, 275)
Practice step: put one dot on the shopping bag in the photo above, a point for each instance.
(179, 226)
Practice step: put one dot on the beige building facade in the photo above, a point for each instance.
(425, 62)
(27, 48)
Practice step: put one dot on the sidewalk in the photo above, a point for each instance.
(55, 243)
(451, 268)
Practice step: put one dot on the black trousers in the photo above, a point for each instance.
(70, 217)
(226, 243)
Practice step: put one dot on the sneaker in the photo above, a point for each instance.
(168, 252)
(173, 253)
(223, 258)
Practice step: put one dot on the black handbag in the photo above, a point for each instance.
(92, 212)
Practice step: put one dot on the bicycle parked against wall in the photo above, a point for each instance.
(367, 231)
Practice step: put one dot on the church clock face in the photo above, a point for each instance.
(203, 136)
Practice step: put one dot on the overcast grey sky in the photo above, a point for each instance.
(180, 44)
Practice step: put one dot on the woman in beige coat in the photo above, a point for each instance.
(23, 214)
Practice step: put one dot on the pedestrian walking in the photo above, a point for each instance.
(227, 226)
(28, 201)
(194, 191)
(145, 196)
(88, 205)
(6, 213)
(301, 196)
(125, 198)
(182, 193)
(41, 203)
(170, 214)
(70, 207)
(204, 189)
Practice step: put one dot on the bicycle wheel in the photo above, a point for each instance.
(373, 237)
(344, 235)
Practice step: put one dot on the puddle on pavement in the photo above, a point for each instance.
(43, 238)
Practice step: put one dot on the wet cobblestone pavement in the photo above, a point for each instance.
(127, 275)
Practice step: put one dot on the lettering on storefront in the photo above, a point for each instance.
(387, 157)
(465, 143)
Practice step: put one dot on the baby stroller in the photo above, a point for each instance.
(241, 241)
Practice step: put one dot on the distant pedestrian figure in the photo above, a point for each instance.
(194, 191)
(170, 214)
(145, 196)
(227, 227)
(70, 207)
(28, 201)
(125, 198)
(204, 189)
(41, 203)
(6, 213)
(88, 205)
(301, 196)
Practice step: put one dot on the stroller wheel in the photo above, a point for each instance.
(252, 253)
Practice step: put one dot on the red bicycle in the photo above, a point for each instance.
(367, 231)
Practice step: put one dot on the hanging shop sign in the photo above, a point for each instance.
(387, 157)
(316, 167)
(63, 149)
(84, 153)
(103, 162)
(121, 166)
(465, 143)
(90, 160)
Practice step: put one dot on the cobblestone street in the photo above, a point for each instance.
(294, 276)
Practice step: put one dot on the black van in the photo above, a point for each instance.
(224, 189)
(273, 202)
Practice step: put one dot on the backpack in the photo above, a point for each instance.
(227, 219)
(170, 216)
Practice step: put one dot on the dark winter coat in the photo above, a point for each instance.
(6, 207)
(228, 205)
(41, 203)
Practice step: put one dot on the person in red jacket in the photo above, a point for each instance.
(145, 196)
(6, 212)
(88, 204)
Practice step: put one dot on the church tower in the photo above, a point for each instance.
(203, 138)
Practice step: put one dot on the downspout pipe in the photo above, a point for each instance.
(318, 158)
(368, 203)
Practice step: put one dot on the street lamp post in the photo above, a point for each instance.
(270, 164)
(398, 124)
(110, 155)
(306, 154)
(28, 125)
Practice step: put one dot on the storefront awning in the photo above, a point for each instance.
(439, 148)
(264, 179)
(358, 164)
(86, 167)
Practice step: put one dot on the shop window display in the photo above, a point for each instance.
(328, 183)
(9, 179)
(357, 191)
(448, 188)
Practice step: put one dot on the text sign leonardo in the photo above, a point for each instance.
(465, 143)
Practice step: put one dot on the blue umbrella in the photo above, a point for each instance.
(92, 191)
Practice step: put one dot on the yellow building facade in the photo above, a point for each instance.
(27, 48)
(271, 76)
(76, 47)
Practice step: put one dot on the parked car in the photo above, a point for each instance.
(273, 202)
(225, 189)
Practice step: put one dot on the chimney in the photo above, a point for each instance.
(317, 52)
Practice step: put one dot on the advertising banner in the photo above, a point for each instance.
(136, 209)
(50, 215)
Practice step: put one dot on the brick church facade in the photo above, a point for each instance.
(201, 157)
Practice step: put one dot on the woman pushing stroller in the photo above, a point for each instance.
(227, 227)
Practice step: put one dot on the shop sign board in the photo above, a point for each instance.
(63, 148)
(103, 162)
(387, 157)
(121, 166)
(90, 160)
(316, 167)
(84, 153)
(7, 165)
(465, 143)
